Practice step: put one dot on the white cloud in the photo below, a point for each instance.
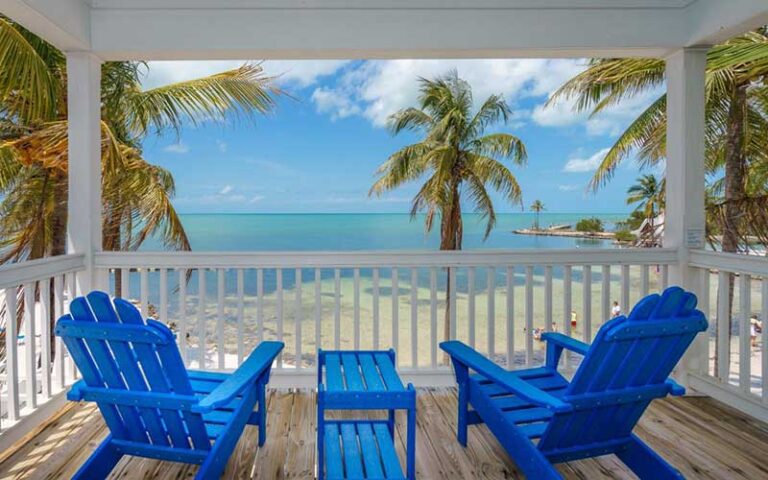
(179, 148)
(226, 189)
(299, 72)
(335, 103)
(377, 89)
(256, 198)
(569, 188)
(589, 164)
(222, 146)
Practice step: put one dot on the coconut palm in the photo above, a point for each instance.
(136, 194)
(736, 124)
(648, 194)
(455, 157)
(537, 207)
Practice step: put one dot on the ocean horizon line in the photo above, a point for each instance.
(399, 213)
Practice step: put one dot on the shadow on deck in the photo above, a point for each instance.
(701, 437)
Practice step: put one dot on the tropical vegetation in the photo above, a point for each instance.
(456, 158)
(136, 194)
(736, 128)
(590, 225)
(537, 207)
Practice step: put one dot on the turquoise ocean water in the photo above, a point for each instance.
(244, 232)
(335, 232)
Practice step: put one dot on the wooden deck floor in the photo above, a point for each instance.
(701, 437)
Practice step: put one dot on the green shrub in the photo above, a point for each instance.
(625, 236)
(593, 224)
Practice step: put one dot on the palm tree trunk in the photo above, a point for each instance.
(735, 189)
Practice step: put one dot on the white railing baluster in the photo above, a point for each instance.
(375, 307)
(723, 333)
(471, 306)
(567, 308)
(71, 281)
(529, 315)
(144, 292)
(491, 310)
(163, 296)
(240, 315)
(605, 294)
(58, 307)
(414, 318)
(664, 276)
(548, 298)
(433, 316)
(337, 308)
(29, 346)
(279, 311)
(587, 299)
(745, 347)
(220, 317)
(183, 324)
(625, 290)
(451, 301)
(644, 287)
(125, 283)
(201, 335)
(260, 304)
(764, 345)
(318, 311)
(395, 313)
(298, 318)
(356, 307)
(45, 337)
(510, 316)
(11, 355)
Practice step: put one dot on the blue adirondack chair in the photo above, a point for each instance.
(624, 369)
(154, 407)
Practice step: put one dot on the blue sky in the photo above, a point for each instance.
(318, 152)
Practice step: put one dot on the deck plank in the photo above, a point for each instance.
(701, 437)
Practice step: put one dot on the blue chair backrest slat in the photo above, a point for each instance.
(150, 364)
(92, 377)
(125, 356)
(102, 356)
(639, 350)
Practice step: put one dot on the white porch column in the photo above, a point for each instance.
(684, 216)
(84, 207)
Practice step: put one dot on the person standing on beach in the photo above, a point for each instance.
(616, 310)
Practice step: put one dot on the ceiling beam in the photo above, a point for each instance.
(63, 23)
(715, 21)
(388, 33)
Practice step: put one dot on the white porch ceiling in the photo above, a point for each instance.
(235, 29)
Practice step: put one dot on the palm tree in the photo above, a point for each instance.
(736, 134)
(736, 125)
(456, 156)
(537, 207)
(136, 194)
(648, 194)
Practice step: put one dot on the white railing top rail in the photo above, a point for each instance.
(731, 262)
(362, 259)
(15, 274)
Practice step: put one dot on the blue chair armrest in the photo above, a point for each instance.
(675, 389)
(258, 362)
(566, 342)
(508, 380)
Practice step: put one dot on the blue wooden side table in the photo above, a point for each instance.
(362, 449)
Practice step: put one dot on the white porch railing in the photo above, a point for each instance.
(222, 304)
(733, 291)
(35, 368)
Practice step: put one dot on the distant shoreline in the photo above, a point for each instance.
(566, 233)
